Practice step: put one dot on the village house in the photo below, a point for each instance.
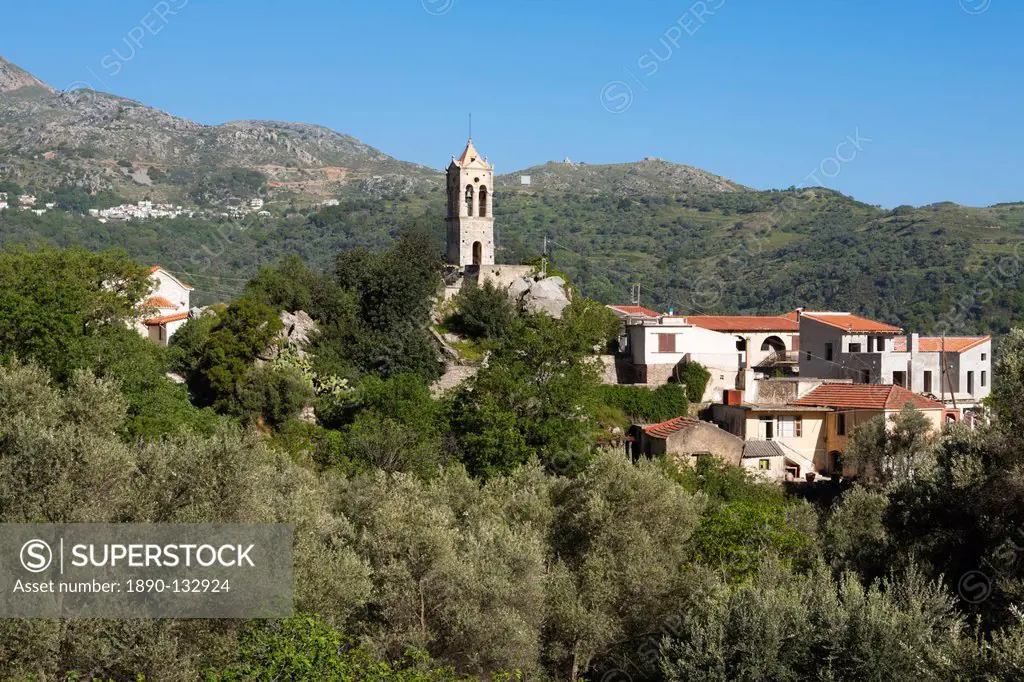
(808, 435)
(167, 308)
(955, 370)
(685, 439)
(764, 341)
(655, 350)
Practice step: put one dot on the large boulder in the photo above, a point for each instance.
(298, 327)
(547, 295)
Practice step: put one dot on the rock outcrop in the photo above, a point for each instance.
(540, 295)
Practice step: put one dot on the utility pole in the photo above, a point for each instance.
(544, 259)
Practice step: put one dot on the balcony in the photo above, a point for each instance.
(780, 358)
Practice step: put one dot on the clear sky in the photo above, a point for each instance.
(760, 91)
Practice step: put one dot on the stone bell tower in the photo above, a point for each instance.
(470, 219)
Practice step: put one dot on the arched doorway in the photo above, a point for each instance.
(483, 202)
(774, 343)
(835, 462)
(478, 253)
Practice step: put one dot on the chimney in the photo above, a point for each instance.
(800, 313)
(914, 343)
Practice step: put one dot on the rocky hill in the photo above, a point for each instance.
(647, 177)
(100, 141)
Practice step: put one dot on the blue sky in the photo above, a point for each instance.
(763, 92)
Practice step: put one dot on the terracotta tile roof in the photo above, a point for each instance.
(666, 429)
(634, 310)
(866, 396)
(158, 302)
(934, 344)
(165, 319)
(744, 323)
(848, 321)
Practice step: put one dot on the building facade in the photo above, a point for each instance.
(167, 308)
(955, 370)
(658, 348)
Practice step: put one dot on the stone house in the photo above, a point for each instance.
(685, 439)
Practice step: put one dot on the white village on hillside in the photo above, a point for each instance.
(786, 391)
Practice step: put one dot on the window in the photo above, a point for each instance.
(871, 344)
(469, 200)
(854, 347)
(840, 424)
(927, 381)
(828, 352)
(768, 427)
(984, 377)
(807, 355)
(984, 357)
(666, 343)
(880, 345)
(865, 376)
(764, 464)
(970, 383)
(483, 202)
(900, 379)
(790, 427)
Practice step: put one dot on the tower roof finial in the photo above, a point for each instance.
(471, 126)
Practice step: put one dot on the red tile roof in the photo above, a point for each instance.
(934, 344)
(850, 322)
(865, 396)
(158, 302)
(744, 323)
(666, 429)
(635, 310)
(166, 318)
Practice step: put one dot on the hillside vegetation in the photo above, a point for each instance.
(693, 241)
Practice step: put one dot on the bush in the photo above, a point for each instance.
(644, 405)
(695, 377)
(274, 394)
(483, 312)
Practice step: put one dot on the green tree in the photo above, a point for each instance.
(896, 452)
(535, 396)
(55, 303)
(242, 332)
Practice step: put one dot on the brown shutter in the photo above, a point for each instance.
(795, 340)
(666, 343)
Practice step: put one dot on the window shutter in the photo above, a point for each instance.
(666, 343)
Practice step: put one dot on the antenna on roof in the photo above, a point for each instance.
(634, 295)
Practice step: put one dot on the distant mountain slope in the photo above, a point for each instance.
(95, 136)
(650, 176)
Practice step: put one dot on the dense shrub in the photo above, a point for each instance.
(695, 377)
(483, 312)
(646, 406)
